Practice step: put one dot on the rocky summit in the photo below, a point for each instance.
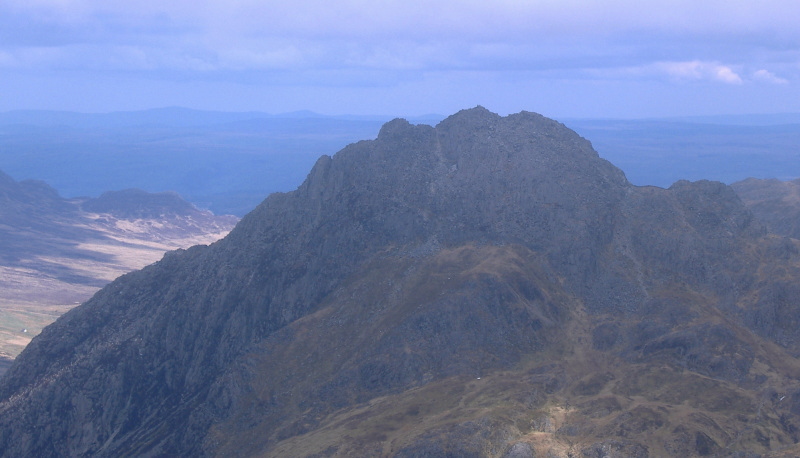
(486, 287)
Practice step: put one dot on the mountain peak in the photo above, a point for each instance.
(476, 115)
(394, 128)
(472, 171)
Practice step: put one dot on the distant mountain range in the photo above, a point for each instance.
(57, 252)
(489, 286)
(227, 162)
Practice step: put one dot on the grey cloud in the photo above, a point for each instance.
(394, 43)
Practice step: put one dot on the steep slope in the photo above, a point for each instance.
(56, 252)
(776, 203)
(485, 287)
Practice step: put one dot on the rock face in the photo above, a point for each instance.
(485, 287)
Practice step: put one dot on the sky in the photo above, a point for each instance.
(561, 58)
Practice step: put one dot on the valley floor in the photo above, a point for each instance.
(35, 292)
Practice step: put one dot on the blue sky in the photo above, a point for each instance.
(562, 58)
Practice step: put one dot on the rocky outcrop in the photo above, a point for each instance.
(486, 287)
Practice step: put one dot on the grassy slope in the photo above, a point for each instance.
(571, 396)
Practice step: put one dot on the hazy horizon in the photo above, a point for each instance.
(756, 118)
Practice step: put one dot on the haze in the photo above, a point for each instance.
(572, 58)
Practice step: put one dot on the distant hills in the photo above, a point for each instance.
(489, 286)
(228, 162)
(56, 252)
(225, 162)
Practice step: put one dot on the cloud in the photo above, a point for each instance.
(422, 20)
(677, 71)
(401, 42)
(768, 77)
(698, 70)
(408, 17)
(7, 60)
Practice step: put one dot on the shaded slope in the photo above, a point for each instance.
(465, 312)
(33, 207)
(135, 203)
(355, 315)
(776, 203)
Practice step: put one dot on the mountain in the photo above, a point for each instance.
(776, 203)
(57, 252)
(489, 286)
